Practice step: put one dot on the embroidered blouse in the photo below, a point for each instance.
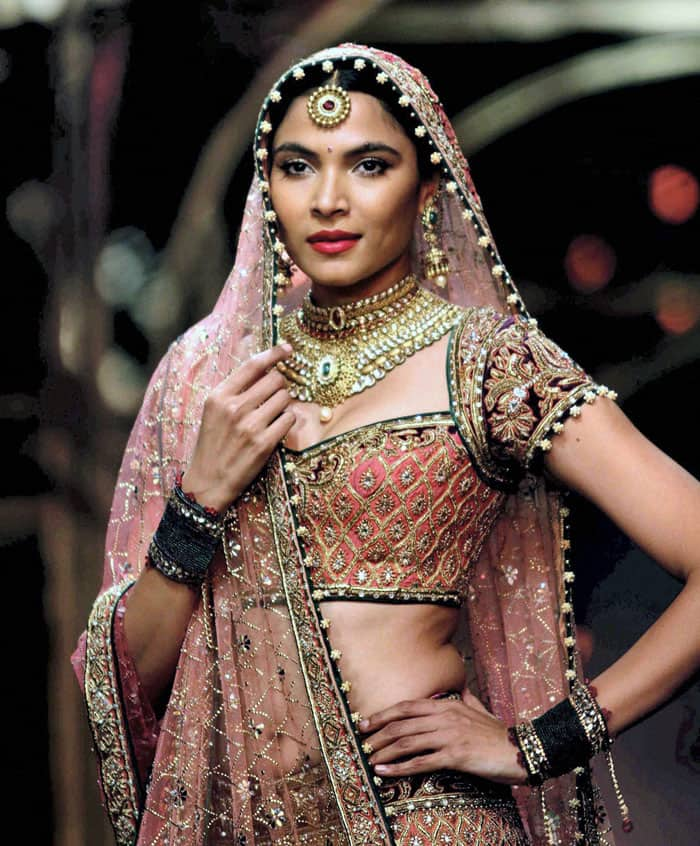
(398, 510)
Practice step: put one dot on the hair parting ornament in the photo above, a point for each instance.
(328, 105)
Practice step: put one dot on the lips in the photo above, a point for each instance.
(332, 235)
(332, 241)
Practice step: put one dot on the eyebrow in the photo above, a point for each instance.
(367, 147)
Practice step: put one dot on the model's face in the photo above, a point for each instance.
(361, 178)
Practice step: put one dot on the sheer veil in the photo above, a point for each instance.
(257, 743)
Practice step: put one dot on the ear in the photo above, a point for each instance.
(428, 188)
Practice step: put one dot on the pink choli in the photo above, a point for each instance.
(393, 511)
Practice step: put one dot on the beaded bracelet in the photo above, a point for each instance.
(562, 738)
(186, 539)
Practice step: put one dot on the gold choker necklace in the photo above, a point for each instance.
(328, 321)
(342, 350)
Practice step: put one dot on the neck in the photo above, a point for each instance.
(332, 295)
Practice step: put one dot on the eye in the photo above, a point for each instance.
(293, 167)
(373, 167)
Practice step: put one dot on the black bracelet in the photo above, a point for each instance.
(563, 738)
(186, 539)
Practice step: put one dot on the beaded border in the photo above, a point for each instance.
(118, 774)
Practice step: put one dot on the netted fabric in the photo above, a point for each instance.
(257, 744)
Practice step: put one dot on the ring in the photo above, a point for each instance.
(367, 748)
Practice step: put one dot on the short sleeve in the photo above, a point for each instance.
(530, 388)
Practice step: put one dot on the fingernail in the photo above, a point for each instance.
(363, 724)
(381, 768)
(287, 347)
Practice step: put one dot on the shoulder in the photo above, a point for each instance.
(513, 388)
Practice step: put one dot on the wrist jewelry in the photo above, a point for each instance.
(186, 539)
(564, 738)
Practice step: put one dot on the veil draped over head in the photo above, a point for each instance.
(257, 744)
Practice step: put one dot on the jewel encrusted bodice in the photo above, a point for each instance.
(393, 511)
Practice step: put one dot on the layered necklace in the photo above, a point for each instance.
(343, 349)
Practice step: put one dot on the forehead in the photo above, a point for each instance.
(367, 119)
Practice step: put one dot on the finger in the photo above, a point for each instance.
(272, 408)
(260, 391)
(279, 428)
(253, 369)
(408, 746)
(402, 728)
(419, 764)
(401, 711)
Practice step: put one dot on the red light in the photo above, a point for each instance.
(677, 307)
(674, 193)
(590, 263)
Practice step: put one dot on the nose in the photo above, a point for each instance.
(330, 198)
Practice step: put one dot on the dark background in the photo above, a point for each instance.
(583, 168)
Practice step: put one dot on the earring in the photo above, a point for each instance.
(435, 265)
(283, 277)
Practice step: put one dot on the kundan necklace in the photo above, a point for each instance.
(342, 350)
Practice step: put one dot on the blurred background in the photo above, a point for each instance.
(125, 135)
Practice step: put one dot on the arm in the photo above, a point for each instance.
(244, 419)
(657, 504)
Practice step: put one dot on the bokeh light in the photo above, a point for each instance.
(590, 263)
(674, 193)
(677, 307)
(123, 266)
(120, 381)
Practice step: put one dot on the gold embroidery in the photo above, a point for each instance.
(529, 384)
(511, 387)
(398, 537)
(349, 778)
(104, 706)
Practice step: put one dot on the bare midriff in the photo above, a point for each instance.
(392, 652)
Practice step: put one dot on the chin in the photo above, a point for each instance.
(338, 276)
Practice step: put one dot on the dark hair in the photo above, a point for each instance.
(366, 83)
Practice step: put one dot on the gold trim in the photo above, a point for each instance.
(465, 383)
(118, 776)
(360, 810)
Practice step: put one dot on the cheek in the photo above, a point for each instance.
(286, 203)
(396, 212)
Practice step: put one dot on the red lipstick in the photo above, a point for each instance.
(331, 241)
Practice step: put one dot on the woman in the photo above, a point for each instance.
(348, 509)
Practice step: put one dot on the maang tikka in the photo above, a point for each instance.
(329, 104)
(435, 265)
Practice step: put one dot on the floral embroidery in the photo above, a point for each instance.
(512, 387)
(529, 382)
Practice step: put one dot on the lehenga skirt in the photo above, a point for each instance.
(448, 808)
(443, 808)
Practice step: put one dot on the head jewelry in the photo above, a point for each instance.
(329, 105)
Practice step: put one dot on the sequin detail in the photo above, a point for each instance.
(393, 511)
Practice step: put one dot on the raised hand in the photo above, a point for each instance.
(244, 419)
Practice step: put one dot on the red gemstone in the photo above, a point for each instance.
(328, 105)
(627, 826)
